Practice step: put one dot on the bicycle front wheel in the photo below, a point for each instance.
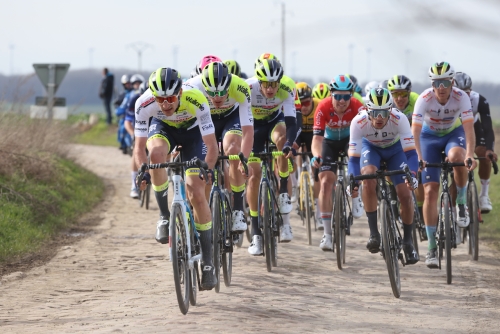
(227, 254)
(216, 233)
(446, 207)
(390, 248)
(180, 258)
(307, 207)
(472, 203)
(265, 223)
(340, 224)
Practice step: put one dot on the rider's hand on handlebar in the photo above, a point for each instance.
(414, 183)
(354, 193)
(288, 150)
(316, 162)
(142, 180)
(493, 154)
(473, 165)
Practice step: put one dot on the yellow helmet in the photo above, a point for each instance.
(303, 90)
(321, 91)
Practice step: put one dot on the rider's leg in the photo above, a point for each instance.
(253, 194)
(278, 136)
(484, 170)
(133, 167)
(158, 148)
(327, 179)
(406, 203)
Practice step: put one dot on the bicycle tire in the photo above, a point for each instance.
(390, 249)
(447, 236)
(308, 209)
(180, 258)
(274, 225)
(332, 220)
(265, 223)
(148, 195)
(249, 222)
(215, 205)
(340, 221)
(194, 284)
(227, 254)
(474, 220)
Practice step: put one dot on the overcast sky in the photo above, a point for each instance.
(405, 37)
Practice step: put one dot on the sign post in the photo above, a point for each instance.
(51, 76)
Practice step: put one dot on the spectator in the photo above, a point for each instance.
(106, 93)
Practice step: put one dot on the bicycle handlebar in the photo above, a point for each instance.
(381, 174)
(493, 164)
(202, 165)
(239, 157)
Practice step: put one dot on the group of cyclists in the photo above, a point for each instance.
(220, 110)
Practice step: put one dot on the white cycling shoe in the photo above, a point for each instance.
(286, 233)
(357, 207)
(134, 193)
(285, 204)
(326, 243)
(462, 217)
(485, 204)
(239, 222)
(255, 248)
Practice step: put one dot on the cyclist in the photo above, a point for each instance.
(229, 100)
(485, 136)
(273, 109)
(356, 93)
(436, 127)
(321, 91)
(382, 133)
(180, 116)
(333, 117)
(309, 105)
(137, 81)
(123, 137)
(234, 67)
(404, 100)
(368, 87)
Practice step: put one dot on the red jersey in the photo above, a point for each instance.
(328, 124)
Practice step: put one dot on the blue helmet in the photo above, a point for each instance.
(342, 83)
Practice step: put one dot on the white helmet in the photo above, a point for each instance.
(441, 70)
(125, 79)
(136, 78)
(379, 98)
(369, 86)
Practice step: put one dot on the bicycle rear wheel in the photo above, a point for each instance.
(265, 223)
(416, 217)
(307, 207)
(390, 248)
(446, 207)
(194, 285)
(216, 232)
(340, 222)
(227, 253)
(472, 203)
(180, 266)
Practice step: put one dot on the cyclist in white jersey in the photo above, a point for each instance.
(437, 127)
(485, 136)
(383, 133)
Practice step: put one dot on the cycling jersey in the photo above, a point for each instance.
(483, 127)
(438, 119)
(193, 110)
(238, 96)
(408, 111)
(298, 106)
(330, 125)
(130, 112)
(308, 120)
(265, 110)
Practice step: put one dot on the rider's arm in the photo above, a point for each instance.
(129, 127)
(417, 122)
(408, 143)
(207, 130)
(484, 112)
(299, 124)
(468, 125)
(355, 143)
(246, 118)
(318, 131)
(143, 108)
(289, 112)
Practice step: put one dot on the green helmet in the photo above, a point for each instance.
(234, 67)
(321, 91)
(216, 77)
(165, 81)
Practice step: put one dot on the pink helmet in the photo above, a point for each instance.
(205, 61)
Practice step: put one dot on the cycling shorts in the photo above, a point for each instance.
(480, 137)
(305, 138)
(229, 123)
(190, 140)
(262, 132)
(330, 152)
(393, 156)
(432, 146)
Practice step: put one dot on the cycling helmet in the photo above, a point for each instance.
(243, 76)
(379, 98)
(321, 91)
(341, 82)
(234, 67)
(354, 80)
(125, 79)
(205, 61)
(369, 86)
(399, 82)
(143, 87)
(441, 70)
(194, 72)
(165, 81)
(383, 84)
(303, 90)
(216, 77)
(136, 78)
(463, 81)
(268, 56)
(268, 69)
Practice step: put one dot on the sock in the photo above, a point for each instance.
(286, 219)
(372, 222)
(254, 215)
(407, 230)
(461, 195)
(134, 175)
(160, 194)
(316, 206)
(205, 232)
(238, 197)
(326, 217)
(431, 235)
(294, 181)
(485, 185)
(284, 182)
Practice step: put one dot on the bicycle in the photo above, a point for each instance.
(185, 248)
(223, 238)
(447, 228)
(306, 207)
(341, 222)
(392, 242)
(270, 220)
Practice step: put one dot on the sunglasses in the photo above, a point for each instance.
(305, 103)
(384, 113)
(443, 82)
(269, 84)
(219, 93)
(170, 99)
(400, 94)
(345, 97)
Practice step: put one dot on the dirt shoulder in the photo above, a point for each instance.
(118, 279)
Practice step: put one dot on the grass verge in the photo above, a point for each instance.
(31, 210)
(100, 134)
